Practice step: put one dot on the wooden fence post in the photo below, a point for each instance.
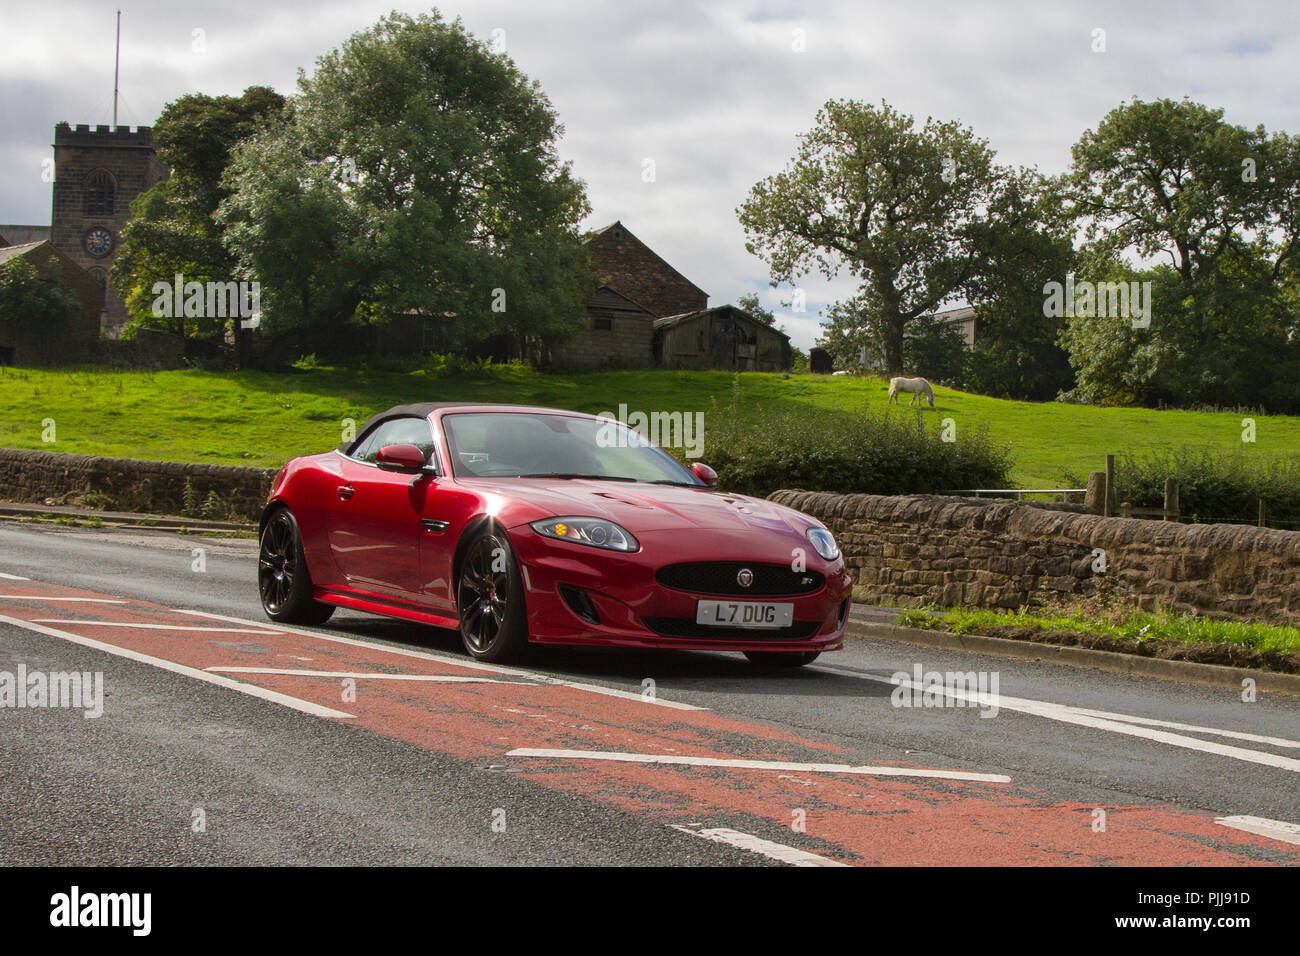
(1171, 499)
(1108, 508)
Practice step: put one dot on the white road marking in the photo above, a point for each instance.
(1116, 723)
(741, 764)
(367, 675)
(466, 662)
(252, 690)
(1262, 826)
(42, 597)
(154, 627)
(12, 577)
(775, 851)
(1151, 722)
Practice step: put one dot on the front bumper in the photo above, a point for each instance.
(633, 610)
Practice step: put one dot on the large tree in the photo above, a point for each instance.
(1028, 242)
(854, 337)
(417, 171)
(1219, 206)
(896, 205)
(172, 228)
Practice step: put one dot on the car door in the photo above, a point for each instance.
(375, 515)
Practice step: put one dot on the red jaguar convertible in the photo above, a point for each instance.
(521, 525)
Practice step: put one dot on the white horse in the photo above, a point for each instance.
(918, 387)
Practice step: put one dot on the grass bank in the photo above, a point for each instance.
(261, 418)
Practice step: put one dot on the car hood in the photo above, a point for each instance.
(644, 507)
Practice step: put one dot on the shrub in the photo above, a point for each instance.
(831, 450)
(211, 507)
(1213, 486)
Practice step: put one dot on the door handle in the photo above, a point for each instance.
(346, 492)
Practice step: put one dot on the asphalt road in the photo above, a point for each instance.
(436, 771)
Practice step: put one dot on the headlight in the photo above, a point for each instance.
(596, 532)
(824, 542)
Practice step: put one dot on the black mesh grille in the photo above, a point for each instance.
(685, 627)
(719, 577)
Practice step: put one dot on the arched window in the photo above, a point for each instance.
(100, 189)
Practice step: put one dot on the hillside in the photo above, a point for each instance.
(259, 418)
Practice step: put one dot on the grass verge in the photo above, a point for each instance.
(1128, 630)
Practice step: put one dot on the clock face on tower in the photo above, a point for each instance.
(99, 242)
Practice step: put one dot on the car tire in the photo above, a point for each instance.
(782, 659)
(490, 599)
(283, 582)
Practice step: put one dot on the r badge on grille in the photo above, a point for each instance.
(744, 577)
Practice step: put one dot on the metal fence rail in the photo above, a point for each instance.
(1017, 493)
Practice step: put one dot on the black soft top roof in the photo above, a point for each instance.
(418, 410)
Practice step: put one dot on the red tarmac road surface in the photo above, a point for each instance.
(858, 811)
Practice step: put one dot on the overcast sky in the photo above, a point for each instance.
(714, 93)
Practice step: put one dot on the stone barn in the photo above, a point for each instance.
(616, 331)
(76, 342)
(724, 337)
(631, 268)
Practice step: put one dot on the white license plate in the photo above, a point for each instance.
(743, 614)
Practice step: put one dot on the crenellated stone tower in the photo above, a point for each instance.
(97, 172)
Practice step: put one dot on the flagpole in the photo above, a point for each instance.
(117, 59)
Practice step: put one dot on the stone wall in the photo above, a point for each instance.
(121, 484)
(922, 549)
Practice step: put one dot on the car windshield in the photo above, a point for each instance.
(524, 445)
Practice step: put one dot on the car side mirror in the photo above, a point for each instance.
(704, 473)
(400, 458)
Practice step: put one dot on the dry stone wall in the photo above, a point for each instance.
(920, 549)
(121, 484)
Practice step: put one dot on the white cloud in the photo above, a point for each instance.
(713, 92)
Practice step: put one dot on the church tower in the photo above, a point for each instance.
(96, 175)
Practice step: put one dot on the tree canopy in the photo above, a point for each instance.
(1218, 207)
(172, 229)
(896, 205)
(415, 172)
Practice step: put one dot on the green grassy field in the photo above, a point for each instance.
(257, 418)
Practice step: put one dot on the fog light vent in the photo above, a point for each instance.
(579, 603)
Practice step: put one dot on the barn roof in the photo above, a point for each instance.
(670, 321)
(14, 252)
(618, 223)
